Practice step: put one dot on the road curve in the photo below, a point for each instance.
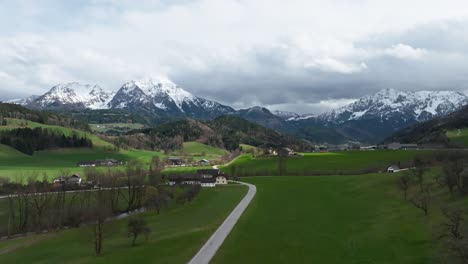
(209, 249)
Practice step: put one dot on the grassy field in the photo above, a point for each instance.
(347, 162)
(14, 164)
(200, 150)
(459, 136)
(328, 219)
(177, 234)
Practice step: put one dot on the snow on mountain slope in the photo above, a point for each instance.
(23, 101)
(163, 95)
(389, 103)
(73, 95)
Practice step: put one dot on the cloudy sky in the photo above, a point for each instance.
(298, 55)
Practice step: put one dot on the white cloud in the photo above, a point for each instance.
(403, 51)
(332, 65)
(311, 49)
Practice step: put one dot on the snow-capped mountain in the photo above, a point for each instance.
(369, 119)
(390, 103)
(285, 114)
(158, 96)
(23, 101)
(164, 96)
(72, 95)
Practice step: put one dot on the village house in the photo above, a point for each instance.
(285, 152)
(175, 161)
(205, 178)
(208, 182)
(203, 162)
(75, 179)
(94, 163)
(191, 179)
(221, 179)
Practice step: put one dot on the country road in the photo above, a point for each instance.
(209, 249)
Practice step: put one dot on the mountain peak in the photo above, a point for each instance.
(389, 103)
(161, 90)
(73, 94)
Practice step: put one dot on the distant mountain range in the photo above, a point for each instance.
(369, 119)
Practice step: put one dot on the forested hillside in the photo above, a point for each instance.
(434, 131)
(224, 132)
(48, 118)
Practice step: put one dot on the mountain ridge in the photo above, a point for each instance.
(368, 119)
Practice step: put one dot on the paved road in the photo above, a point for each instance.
(210, 248)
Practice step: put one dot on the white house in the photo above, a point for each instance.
(221, 179)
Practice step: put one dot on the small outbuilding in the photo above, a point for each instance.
(75, 179)
(203, 162)
(393, 168)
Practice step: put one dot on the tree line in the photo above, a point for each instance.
(441, 190)
(40, 206)
(28, 140)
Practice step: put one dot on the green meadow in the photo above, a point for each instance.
(199, 150)
(16, 165)
(177, 234)
(458, 136)
(346, 162)
(329, 219)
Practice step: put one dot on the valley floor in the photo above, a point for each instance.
(328, 219)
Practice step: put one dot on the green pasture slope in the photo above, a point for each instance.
(197, 149)
(177, 234)
(18, 123)
(459, 136)
(328, 219)
(16, 165)
(346, 162)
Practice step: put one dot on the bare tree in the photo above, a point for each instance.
(135, 181)
(136, 227)
(453, 174)
(404, 183)
(453, 222)
(99, 213)
(422, 199)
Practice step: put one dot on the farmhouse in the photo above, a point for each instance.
(221, 179)
(208, 182)
(393, 168)
(75, 179)
(94, 163)
(205, 178)
(285, 152)
(174, 161)
(184, 179)
(203, 162)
